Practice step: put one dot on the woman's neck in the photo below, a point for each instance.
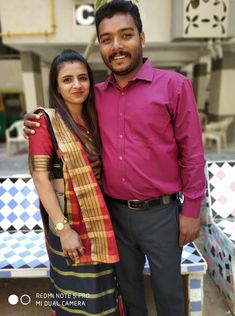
(77, 115)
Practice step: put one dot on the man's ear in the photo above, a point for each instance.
(142, 39)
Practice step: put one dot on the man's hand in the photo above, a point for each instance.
(30, 124)
(189, 229)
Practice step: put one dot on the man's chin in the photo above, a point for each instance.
(121, 71)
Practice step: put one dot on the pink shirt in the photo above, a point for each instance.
(151, 138)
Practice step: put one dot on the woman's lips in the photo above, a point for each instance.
(78, 93)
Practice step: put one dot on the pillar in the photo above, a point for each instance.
(221, 103)
(32, 80)
(200, 84)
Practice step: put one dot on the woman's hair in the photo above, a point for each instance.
(57, 102)
(109, 9)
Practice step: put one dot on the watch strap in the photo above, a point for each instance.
(60, 225)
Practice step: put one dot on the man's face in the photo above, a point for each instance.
(121, 44)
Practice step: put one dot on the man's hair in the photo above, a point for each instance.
(109, 9)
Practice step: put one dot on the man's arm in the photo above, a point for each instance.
(191, 161)
(30, 123)
(189, 229)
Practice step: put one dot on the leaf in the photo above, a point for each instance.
(223, 29)
(187, 8)
(195, 25)
(215, 25)
(195, 18)
(188, 18)
(205, 20)
(223, 18)
(206, 0)
(224, 6)
(195, 3)
(90, 46)
(216, 18)
(187, 28)
(99, 3)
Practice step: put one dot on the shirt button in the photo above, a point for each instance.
(121, 136)
(120, 157)
(122, 93)
(121, 114)
(123, 179)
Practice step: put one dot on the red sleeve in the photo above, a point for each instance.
(40, 143)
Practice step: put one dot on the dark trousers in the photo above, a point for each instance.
(152, 232)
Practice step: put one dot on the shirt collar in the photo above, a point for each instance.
(145, 73)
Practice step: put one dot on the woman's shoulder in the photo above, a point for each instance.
(42, 119)
(45, 115)
(46, 111)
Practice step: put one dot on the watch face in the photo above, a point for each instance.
(59, 226)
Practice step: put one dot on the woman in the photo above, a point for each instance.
(65, 165)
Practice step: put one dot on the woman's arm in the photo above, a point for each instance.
(70, 240)
(41, 151)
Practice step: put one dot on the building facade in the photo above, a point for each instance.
(197, 40)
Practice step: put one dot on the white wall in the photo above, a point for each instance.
(11, 77)
(156, 18)
(45, 68)
(34, 15)
(226, 97)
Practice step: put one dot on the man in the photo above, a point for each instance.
(152, 150)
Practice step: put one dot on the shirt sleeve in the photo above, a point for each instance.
(191, 153)
(40, 147)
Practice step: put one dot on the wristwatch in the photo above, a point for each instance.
(60, 226)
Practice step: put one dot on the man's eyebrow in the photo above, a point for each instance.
(121, 30)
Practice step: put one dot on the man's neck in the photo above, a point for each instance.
(122, 80)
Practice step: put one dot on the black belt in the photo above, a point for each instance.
(142, 205)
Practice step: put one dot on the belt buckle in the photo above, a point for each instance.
(131, 207)
(129, 204)
(166, 199)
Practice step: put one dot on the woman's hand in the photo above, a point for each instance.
(71, 242)
(30, 124)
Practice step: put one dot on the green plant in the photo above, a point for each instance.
(99, 3)
(196, 3)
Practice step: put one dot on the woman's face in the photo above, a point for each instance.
(73, 83)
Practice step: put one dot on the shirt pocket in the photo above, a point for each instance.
(148, 123)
